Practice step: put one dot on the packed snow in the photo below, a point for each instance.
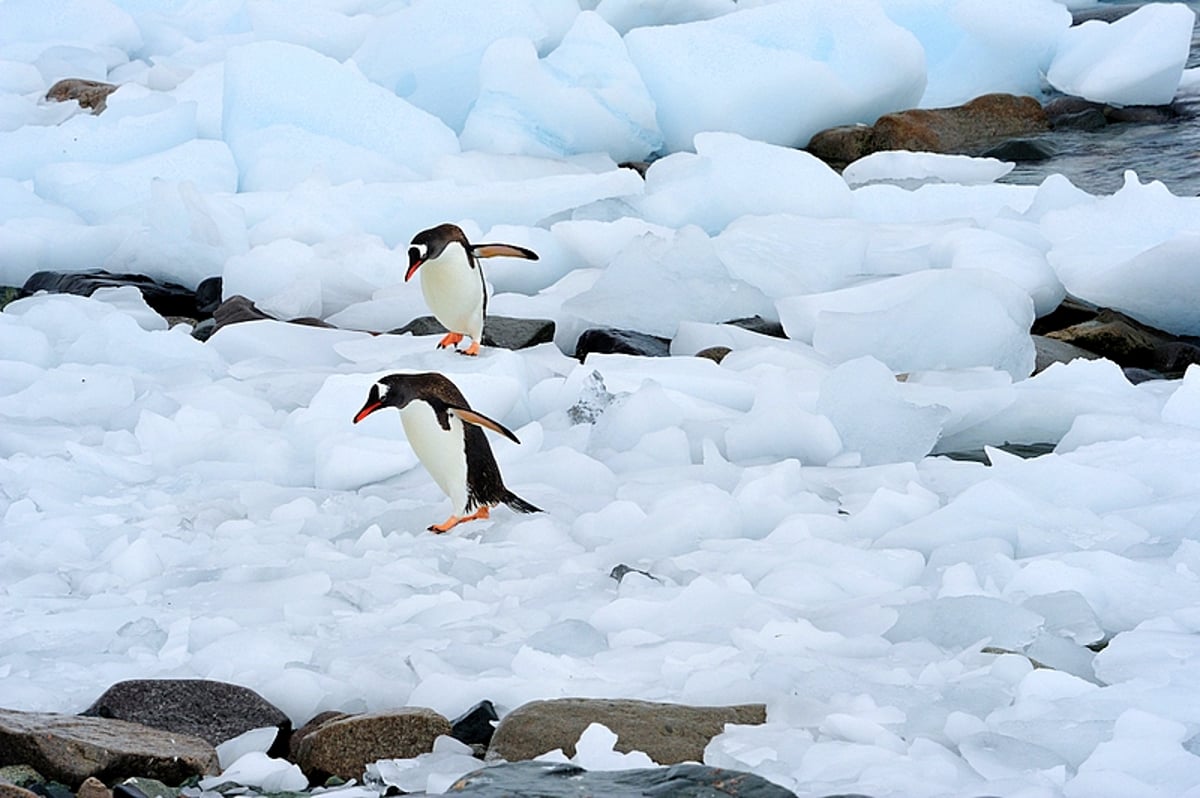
(173, 508)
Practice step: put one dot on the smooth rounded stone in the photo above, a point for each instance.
(344, 746)
(554, 780)
(1051, 350)
(88, 93)
(1142, 114)
(138, 787)
(1069, 311)
(20, 775)
(668, 733)
(477, 725)
(842, 144)
(314, 723)
(501, 332)
(1021, 151)
(1086, 120)
(69, 748)
(166, 298)
(1118, 337)
(1174, 357)
(92, 787)
(238, 309)
(211, 710)
(611, 341)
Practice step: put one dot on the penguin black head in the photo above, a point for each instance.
(429, 245)
(394, 390)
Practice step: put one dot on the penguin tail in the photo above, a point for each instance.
(517, 504)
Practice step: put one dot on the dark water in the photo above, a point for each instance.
(1096, 160)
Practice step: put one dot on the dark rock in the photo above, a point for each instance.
(20, 775)
(638, 166)
(1137, 376)
(203, 330)
(1118, 337)
(208, 296)
(477, 725)
(7, 294)
(668, 733)
(759, 325)
(552, 780)
(235, 310)
(621, 571)
(610, 341)
(168, 299)
(69, 748)
(1173, 357)
(501, 332)
(842, 145)
(51, 789)
(345, 746)
(1052, 350)
(1088, 119)
(1069, 311)
(1021, 151)
(144, 788)
(88, 93)
(1105, 12)
(714, 353)
(1142, 114)
(211, 710)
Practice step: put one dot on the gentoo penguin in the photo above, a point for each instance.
(445, 433)
(452, 280)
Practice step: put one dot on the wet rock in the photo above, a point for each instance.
(7, 294)
(967, 129)
(1076, 113)
(235, 310)
(551, 780)
(668, 733)
(208, 296)
(758, 324)
(1052, 350)
(501, 332)
(51, 789)
(344, 746)
(168, 299)
(1088, 119)
(1118, 337)
(88, 93)
(1021, 151)
(69, 748)
(638, 166)
(1069, 311)
(476, 726)
(609, 341)
(621, 571)
(138, 787)
(211, 710)
(13, 791)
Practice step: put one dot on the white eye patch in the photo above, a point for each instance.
(383, 390)
(421, 249)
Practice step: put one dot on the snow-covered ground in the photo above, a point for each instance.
(175, 508)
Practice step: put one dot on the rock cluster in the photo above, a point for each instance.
(164, 732)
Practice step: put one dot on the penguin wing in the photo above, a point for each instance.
(469, 416)
(502, 250)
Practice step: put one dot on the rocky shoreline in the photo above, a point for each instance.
(171, 738)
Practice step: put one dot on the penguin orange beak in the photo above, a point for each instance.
(367, 409)
(414, 263)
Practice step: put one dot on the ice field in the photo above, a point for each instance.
(177, 508)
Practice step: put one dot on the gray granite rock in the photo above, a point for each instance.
(501, 332)
(344, 746)
(546, 780)
(69, 748)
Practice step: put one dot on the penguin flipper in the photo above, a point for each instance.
(469, 416)
(502, 250)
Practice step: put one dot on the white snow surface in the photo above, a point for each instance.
(172, 508)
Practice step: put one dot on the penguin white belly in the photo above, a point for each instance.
(442, 452)
(454, 292)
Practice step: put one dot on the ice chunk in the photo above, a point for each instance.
(430, 52)
(934, 319)
(814, 65)
(862, 399)
(235, 748)
(1145, 756)
(974, 47)
(432, 773)
(1136, 60)
(585, 96)
(655, 283)
(625, 15)
(256, 769)
(954, 622)
(779, 425)
(730, 176)
(337, 110)
(86, 23)
(911, 169)
(1023, 264)
(596, 750)
(1135, 251)
(101, 192)
(332, 32)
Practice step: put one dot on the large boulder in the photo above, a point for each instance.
(211, 710)
(550, 780)
(668, 733)
(70, 748)
(344, 745)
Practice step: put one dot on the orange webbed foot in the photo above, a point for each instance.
(472, 350)
(453, 521)
(451, 339)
